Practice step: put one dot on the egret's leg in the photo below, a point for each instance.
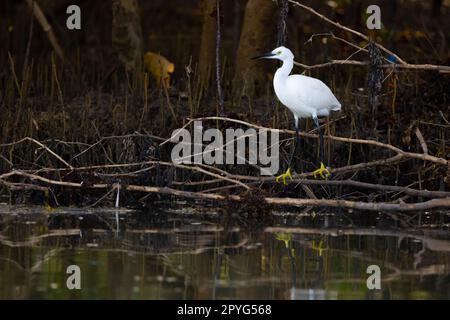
(322, 168)
(296, 143)
(321, 144)
(288, 173)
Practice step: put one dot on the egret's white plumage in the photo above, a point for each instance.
(306, 97)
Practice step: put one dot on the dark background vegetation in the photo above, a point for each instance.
(90, 95)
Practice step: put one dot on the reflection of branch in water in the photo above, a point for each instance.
(431, 270)
(430, 243)
(185, 239)
(53, 252)
(33, 240)
(38, 264)
(37, 239)
(50, 254)
(397, 273)
(418, 256)
(214, 228)
(13, 262)
(217, 266)
(290, 251)
(194, 251)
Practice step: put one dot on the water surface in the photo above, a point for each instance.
(185, 253)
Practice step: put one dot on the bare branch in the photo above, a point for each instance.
(39, 144)
(370, 206)
(338, 25)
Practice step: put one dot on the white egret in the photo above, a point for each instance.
(305, 97)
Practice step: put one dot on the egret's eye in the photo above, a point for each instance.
(279, 52)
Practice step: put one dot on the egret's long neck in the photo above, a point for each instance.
(283, 72)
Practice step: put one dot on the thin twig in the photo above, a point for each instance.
(39, 144)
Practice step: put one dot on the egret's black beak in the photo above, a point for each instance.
(265, 55)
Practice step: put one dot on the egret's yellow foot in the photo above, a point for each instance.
(285, 175)
(321, 172)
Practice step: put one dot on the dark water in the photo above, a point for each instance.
(186, 254)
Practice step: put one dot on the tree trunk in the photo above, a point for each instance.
(127, 34)
(206, 58)
(256, 37)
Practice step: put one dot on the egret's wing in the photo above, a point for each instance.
(312, 92)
